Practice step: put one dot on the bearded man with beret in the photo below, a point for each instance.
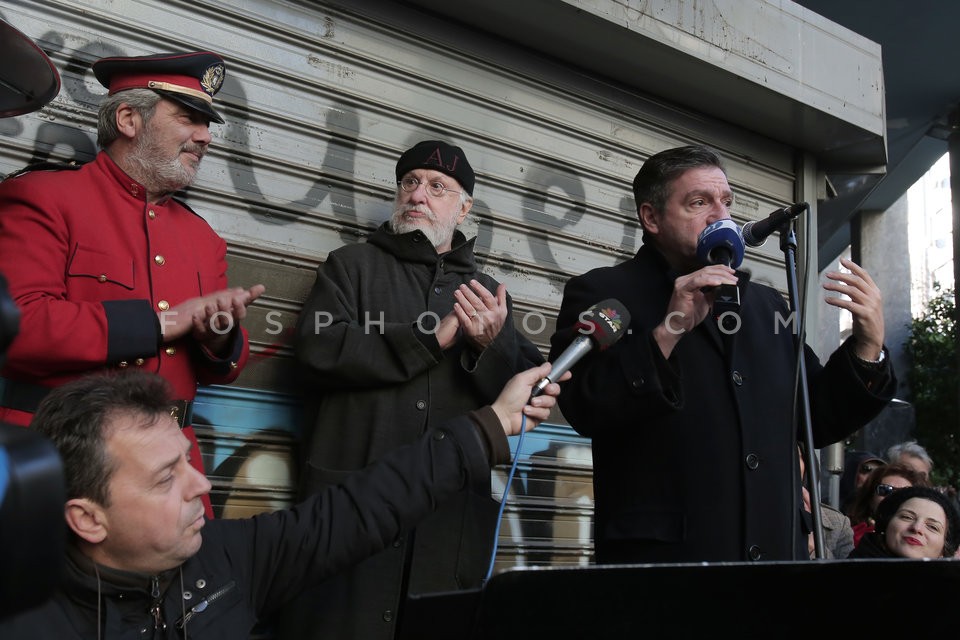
(108, 268)
(400, 333)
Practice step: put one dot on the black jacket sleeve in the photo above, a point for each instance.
(283, 552)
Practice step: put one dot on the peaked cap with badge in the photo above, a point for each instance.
(439, 156)
(191, 79)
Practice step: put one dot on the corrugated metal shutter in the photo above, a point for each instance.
(319, 102)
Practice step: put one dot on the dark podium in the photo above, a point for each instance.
(756, 600)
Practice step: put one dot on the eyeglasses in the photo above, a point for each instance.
(867, 468)
(886, 489)
(435, 188)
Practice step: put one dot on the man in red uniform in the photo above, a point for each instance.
(109, 270)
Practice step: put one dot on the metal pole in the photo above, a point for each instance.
(788, 244)
(953, 145)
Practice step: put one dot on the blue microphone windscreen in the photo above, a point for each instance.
(718, 241)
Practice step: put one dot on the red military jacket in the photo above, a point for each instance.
(90, 262)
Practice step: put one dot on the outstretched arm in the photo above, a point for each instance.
(345, 523)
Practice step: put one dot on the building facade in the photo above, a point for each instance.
(556, 102)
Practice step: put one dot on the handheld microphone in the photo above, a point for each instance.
(604, 323)
(721, 243)
(601, 325)
(756, 232)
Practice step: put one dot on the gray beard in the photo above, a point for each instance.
(157, 173)
(437, 235)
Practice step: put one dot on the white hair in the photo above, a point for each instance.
(909, 448)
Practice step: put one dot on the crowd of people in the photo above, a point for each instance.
(419, 376)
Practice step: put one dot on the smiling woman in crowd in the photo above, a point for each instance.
(882, 482)
(914, 522)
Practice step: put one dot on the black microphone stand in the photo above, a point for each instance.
(788, 245)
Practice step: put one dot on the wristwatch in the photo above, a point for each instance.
(872, 364)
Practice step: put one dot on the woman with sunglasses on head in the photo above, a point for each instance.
(881, 483)
(857, 465)
(913, 522)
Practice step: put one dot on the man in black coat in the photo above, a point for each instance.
(693, 425)
(398, 334)
(137, 564)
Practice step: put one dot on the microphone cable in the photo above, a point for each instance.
(503, 499)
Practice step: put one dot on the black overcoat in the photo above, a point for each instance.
(695, 457)
(380, 380)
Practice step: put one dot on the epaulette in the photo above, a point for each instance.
(45, 166)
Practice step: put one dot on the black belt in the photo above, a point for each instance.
(26, 396)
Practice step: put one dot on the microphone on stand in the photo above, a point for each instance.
(756, 232)
(599, 326)
(721, 243)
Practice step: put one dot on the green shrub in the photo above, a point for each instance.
(935, 385)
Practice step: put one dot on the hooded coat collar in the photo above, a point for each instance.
(414, 246)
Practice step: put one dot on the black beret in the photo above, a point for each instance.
(440, 156)
(191, 79)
